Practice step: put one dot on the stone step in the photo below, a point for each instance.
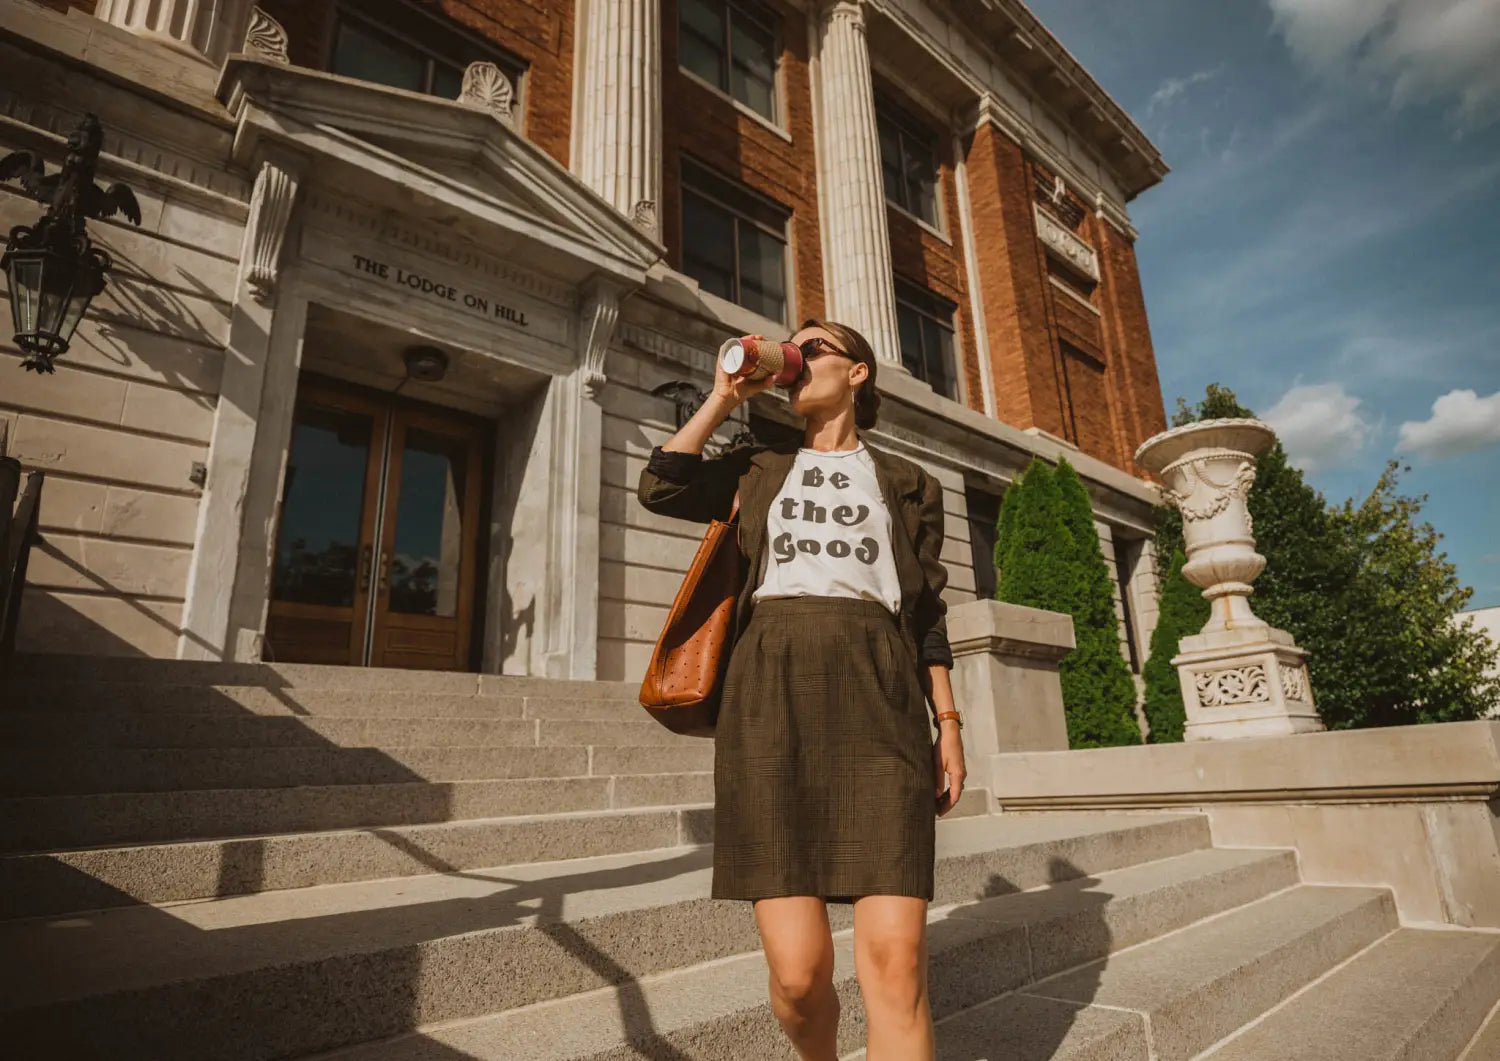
(297, 971)
(1415, 996)
(1486, 1044)
(66, 881)
(80, 670)
(240, 700)
(34, 729)
(81, 771)
(1193, 988)
(978, 951)
(61, 882)
(48, 823)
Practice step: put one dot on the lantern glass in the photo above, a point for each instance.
(49, 294)
(25, 281)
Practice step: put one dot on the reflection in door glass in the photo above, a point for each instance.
(317, 549)
(429, 526)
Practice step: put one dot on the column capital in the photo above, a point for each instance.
(851, 11)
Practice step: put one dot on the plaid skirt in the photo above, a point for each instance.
(824, 782)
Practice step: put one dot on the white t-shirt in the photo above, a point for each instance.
(830, 532)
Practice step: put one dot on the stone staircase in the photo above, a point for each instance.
(235, 862)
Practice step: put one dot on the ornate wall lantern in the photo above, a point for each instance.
(53, 268)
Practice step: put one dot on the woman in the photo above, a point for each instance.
(827, 780)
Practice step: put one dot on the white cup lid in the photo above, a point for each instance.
(733, 358)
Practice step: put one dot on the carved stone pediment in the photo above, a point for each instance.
(485, 85)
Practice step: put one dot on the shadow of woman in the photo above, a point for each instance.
(1048, 948)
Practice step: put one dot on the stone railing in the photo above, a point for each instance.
(1072, 250)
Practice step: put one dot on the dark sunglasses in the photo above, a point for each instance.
(816, 347)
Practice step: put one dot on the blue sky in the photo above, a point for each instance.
(1328, 242)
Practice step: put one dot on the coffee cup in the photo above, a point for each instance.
(758, 358)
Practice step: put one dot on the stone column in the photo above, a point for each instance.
(619, 147)
(208, 29)
(856, 243)
(1005, 679)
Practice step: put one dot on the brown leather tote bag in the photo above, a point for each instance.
(686, 674)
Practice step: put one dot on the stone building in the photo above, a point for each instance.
(372, 382)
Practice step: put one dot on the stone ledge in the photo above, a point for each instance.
(1458, 760)
(1411, 808)
(1009, 630)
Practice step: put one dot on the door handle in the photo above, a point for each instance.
(386, 563)
(366, 554)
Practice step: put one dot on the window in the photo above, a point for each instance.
(908, 162)
(984, 519)
(734, 241)
(393, 43)
(925, 324)
(1126, 553)
(731, 46)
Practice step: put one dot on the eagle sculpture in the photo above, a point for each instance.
(71, 192)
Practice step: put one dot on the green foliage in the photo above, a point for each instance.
(1431, 666)
(1049, 557)
(1363, 589)
(1183, 611)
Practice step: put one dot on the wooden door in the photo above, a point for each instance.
(325, 553)
(375, 560)
(424, 594)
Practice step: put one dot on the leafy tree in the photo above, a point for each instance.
(1362, 589)
(1183, 611)
(1432, 666)
(1049, 557)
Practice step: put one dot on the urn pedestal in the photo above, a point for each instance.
(1241, 677)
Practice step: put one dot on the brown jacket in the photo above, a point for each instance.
(688, 486)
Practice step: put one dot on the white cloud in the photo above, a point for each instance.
(1420, 48)
(1320, 425)
(1173, 87)
(1461, 421)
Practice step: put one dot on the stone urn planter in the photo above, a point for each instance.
(1240, 676)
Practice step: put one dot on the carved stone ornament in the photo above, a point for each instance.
(1066, 245)
(598, 312)
(270, 210)
(266, 38)
(1294, 683)
(485, 85)
(1206, 469)
(1236, 685)
(644, 215)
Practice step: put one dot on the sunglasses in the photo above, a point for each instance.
(816, 347)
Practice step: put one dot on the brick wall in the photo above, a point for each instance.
(540, 34)
(921, 257)
(725, 138)
(1127, 333)
(1023, 352)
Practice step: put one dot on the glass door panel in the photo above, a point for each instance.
(428, 554)
(424, 602)
(324, 557)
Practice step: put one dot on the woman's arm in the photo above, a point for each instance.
(930, 612)
(677, 481)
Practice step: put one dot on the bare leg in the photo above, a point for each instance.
(799, 949)
(890, 960)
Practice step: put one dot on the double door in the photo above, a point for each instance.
(375, 559)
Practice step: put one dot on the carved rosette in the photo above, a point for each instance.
(599, 310)
(270, 210)
(1234, 685)
(266, 38)
(486, 86)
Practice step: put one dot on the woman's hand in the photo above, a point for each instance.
(948, 758)
(732, 391)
